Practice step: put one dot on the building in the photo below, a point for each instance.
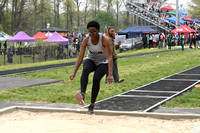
(61, 31)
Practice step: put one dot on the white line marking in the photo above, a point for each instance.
(142, 96)
(189, 74)
(182, 79)
(158, 104)
(154, 91)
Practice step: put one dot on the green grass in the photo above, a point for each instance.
(16, 66)
(29, 62)
(139, 51)
(190, 99)
(136, 72)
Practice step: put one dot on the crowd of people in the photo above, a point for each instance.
(167, 40)
(154, 12)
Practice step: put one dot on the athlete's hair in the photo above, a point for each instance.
(93, 24)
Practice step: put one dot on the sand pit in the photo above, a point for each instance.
(44, 122)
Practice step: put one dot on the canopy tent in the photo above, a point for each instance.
(3, 34)
(133, 31)
(173, 19)
(182, 12)
(183, 29)
(188, 19)
(56, 38)
(40, 36)
(196, 20)
(173, 12)
(189, 28)
(2, 39)
(48, 34)
(145, 29)
(168, 7)
(128, 31)
(21, 37)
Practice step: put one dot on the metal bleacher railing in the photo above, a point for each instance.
(136, 9)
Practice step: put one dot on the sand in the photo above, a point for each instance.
(45, 122)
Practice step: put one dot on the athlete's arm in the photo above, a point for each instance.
(80, 57)
(106, 44)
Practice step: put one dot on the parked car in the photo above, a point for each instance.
(129, 44)
(138, 42)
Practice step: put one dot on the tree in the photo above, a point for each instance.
(78, 4)
(3, 4)
(118, 4)
(38, 9)
(105, 19)
(57, 4)
(194, 9)
(17, 14)
(87, 3)
(32, 15)
(108, 4)
(69, 11)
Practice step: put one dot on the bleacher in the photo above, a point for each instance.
(143, 12)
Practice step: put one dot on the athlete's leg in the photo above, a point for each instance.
(100, 71)
(88, 67)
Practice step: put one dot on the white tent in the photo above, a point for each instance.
(2, 39)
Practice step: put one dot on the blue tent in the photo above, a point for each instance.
(133, 31)
(128, 31)
(145, 29)
(182, 12)
(196, 20)
(173, 19)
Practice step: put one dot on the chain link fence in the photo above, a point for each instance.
(22, 55)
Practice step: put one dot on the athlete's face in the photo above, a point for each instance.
(93, 32)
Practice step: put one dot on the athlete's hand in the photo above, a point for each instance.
(72, 76)
(109, 79)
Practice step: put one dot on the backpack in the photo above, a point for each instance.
(193, 37)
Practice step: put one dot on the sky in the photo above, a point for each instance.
(185, 3)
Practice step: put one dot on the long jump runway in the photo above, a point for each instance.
(148, 97)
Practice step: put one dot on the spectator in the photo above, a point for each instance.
(5, 47)
(173, 40)
(10, 56)
(74, 51)
(150, 40)
(169, 39)
(69, 50)
(198, 40)
(182, 38)
(176, 38)
(193, 40)
(164, 39)
(144, 40)
(111, 36)
(161, 38)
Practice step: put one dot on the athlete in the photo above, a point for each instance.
(98, 60)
